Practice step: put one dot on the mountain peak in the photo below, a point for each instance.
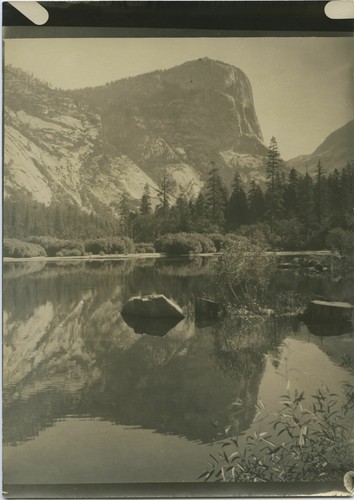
(209, 72)
(126, 133)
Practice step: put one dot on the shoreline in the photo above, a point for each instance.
(153, 256)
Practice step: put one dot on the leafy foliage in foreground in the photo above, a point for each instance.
(308, 442)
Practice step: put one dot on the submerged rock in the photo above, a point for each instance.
(207, 309)
(157, 327)
(152, 306)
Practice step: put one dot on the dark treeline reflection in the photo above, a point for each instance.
(68, 352)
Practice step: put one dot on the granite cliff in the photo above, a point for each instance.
(89, 146)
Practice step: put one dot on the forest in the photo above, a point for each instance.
(293, 211)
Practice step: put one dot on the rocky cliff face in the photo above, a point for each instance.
(53, 150)
(182, 117)
(92, 145)
(334, 152)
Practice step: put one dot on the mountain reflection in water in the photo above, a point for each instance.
(68, 352)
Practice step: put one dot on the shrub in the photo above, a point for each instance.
(221, 241)
(290, 234)
(121, 244)
(244, 269)
(259, 234)
(341, 240)
(69, 252)
(308, 442)
(16, 248)
(205, 242)
(144, 248)
(116, 245)
(56, 247)
(177, 244)
(183, 243)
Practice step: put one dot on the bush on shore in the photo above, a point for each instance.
(341, 240)
(116, 245)
(144, 248)
(56, 247)
(221, 241)
(19, 249)
(184, 243)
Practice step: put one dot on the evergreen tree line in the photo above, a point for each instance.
(297, 206)
(24, 217)
(304, 206)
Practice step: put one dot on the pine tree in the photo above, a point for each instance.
(199, 214)
(290, 193)
(256, 205)
(274, 194)
(237, 207)
(305, 202)
(145, 205)
(183, 213)
(164, 197)
(59, 223)
(216, 197)
(124, 214)
(320, 198)
(334, 185)
(200, 206)
(347, 194)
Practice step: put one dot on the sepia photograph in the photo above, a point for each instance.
(178, 260)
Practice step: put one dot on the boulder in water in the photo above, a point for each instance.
(151, 326)
(321, 311)
(152, 306)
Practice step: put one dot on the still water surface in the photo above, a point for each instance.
(87, 399)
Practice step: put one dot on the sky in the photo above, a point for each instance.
(302, 86)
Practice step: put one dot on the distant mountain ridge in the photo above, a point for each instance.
(334, 152)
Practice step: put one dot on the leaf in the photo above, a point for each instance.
(275, 450)
(235, 440)
(206, 473)
(268, 441)
(211, 456)
(234, 455)
(281, 432)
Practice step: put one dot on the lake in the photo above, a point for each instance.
(89, 400)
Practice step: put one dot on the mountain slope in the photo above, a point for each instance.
(53, 150)
(90, 146)
(334, 152)
(188, 115)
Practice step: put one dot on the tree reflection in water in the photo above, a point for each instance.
(68, 352)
